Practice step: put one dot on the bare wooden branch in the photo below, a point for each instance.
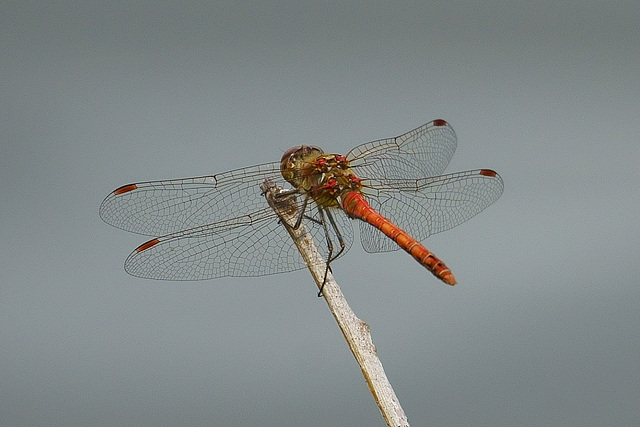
(355, 331)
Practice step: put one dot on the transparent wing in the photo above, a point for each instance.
(243, 246)
(214, 226)
(422, 152)
(426, 206)
(250, 245)
(157, 208)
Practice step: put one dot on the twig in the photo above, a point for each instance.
(355, 331)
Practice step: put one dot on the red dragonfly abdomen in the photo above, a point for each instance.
(355, 205)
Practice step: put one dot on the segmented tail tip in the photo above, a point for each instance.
(448, 278)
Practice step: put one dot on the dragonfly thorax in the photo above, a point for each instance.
(325, 177)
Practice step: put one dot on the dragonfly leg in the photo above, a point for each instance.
(284, 192)
(301, 214)
(330, 256)
(283, 195)
(338, 235)
(321, 221)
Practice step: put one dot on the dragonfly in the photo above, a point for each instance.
(221, 225)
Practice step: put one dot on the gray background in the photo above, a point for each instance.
(543, 326)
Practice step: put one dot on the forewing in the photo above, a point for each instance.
(422, 152)
(426, 206)
(158, 208)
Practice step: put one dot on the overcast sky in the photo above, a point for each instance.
(543, 327)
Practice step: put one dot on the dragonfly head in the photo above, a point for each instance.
(298, 164)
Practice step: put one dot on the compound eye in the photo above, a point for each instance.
(299, 151)
(290, 152)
